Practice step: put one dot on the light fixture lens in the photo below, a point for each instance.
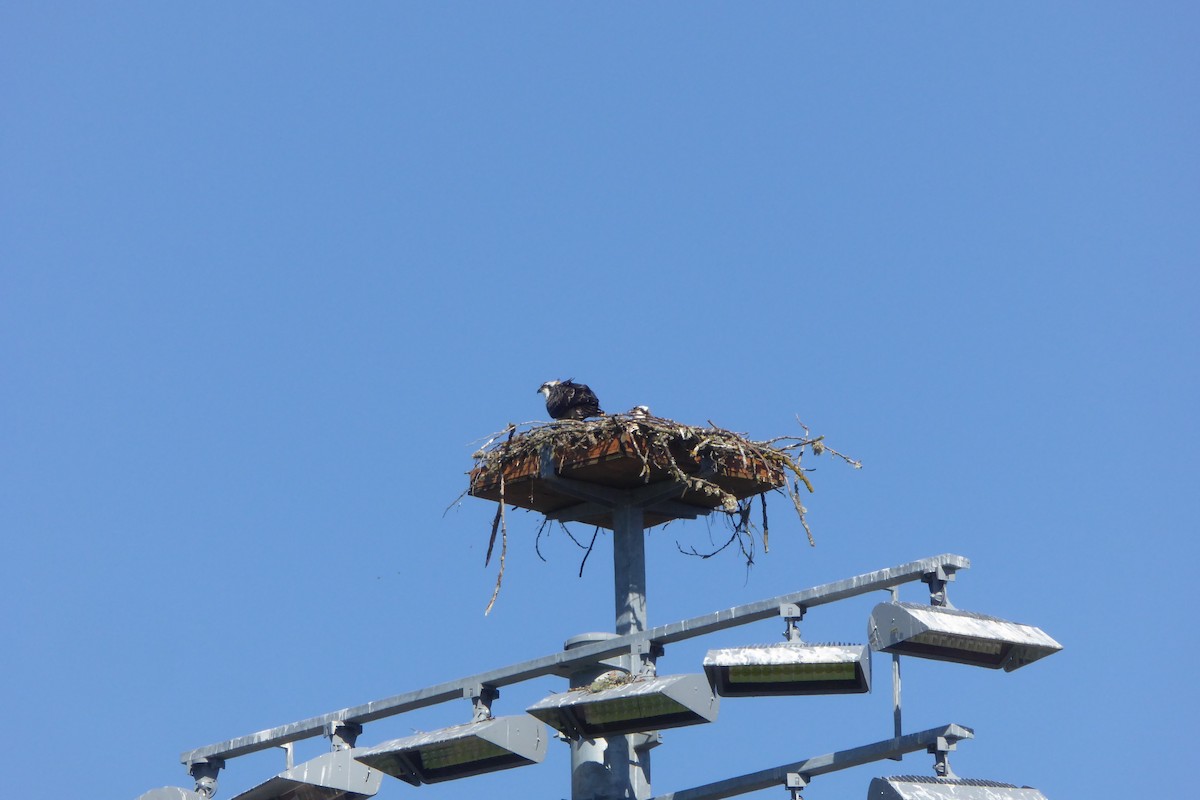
(968, 644)
(789, 668)
(459, 752)
(787, 673)
(625, 709)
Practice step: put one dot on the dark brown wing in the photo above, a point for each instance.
(570, 400)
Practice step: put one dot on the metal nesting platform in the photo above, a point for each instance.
(630, 466)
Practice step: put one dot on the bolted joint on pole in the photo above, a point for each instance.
(796, 783)
(481, 696)
(792, 615)
(937, 580)
(941, 756)
(205, 772)
(645, 654)
(342, 735)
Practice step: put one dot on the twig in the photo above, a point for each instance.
(495, 527)
(537, 541)
(595, 533)
(571, 536)
(693, 552)
(504, 551)
(766, 533)
(800, 512)
(455, 501)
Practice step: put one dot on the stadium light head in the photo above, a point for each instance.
(332, 776)
(642, 704)
(948, 634)
(460, 751)
(789, 668)
(911, 787)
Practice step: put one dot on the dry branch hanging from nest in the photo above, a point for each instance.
(715, 469)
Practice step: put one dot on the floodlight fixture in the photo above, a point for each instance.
(914, 787)
(460, 751)
(789, 668)
(642, 704)
(949, 634)
(332, 776)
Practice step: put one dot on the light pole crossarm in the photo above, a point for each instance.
(821, 765)
(807, 598)
(562, 663)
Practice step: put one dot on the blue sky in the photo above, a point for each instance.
(269, 272)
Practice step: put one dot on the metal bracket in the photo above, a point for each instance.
(796, 783)
(937, 580)
(481, 696)
(342, 735)
(205, 773)
(645, 654)
(792, 614)
(941, 752)
(645, 742)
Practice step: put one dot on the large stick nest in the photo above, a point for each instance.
(718, 468)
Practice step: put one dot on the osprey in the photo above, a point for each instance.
(568, 400)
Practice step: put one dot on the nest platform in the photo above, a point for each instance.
(579, 470)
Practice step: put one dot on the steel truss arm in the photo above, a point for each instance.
(820, 765)
(561, 663)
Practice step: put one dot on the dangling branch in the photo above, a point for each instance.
(503, 548)
(766, 532)
(800, 512)
(537, 541)
(736, 536)
(595, 533)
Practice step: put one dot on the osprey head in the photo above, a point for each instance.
(547, 386)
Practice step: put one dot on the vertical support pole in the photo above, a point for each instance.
(606, 768)
(629, 569)
(629, 577)
(618, 768)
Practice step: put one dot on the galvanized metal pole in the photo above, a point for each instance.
(629, 569)
(618, 768)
